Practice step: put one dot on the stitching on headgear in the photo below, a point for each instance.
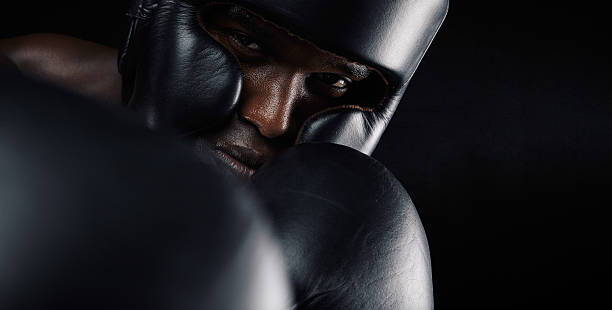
(143, 12)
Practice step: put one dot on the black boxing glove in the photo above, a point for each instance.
(350, 233)
(98, 213)
(174, 71)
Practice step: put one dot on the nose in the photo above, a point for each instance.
(268, 102)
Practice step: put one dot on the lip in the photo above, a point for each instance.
(241, 160)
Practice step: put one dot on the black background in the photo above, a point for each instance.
(503, 141)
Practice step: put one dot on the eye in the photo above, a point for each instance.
(334, 80)
(329, 84)
(246, 41)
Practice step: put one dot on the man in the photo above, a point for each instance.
(249, 79)
(286, 79)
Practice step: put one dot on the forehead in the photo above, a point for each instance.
(263, 27)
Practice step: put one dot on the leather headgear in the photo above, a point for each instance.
(390, 36)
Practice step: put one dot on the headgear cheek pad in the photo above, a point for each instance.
(173, 71)
(388, 35)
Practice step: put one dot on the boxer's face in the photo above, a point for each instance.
(286, 80)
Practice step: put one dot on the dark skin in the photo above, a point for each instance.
(85, 67)
(285, 81)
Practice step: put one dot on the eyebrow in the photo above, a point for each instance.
(357, 70)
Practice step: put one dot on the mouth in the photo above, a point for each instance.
(242, 161)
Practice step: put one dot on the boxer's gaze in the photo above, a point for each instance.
(253, 40)
(249, 46)
(286, 80)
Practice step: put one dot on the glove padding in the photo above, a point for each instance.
(349, 231)
(351, 125)
(97, 213)
(174, 71)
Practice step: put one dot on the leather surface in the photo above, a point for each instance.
(98, 213)
(352, 127)
(174, 71)
(350, 233)
(390, 36)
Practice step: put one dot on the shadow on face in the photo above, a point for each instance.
(286, 80)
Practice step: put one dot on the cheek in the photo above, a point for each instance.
(267, 83)
(259, 77)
